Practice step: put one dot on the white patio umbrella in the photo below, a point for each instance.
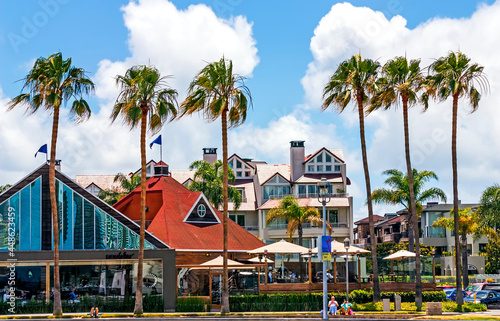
(400, 255)
(256, 260)
(282, 247)
(217, 264)
(339, 247)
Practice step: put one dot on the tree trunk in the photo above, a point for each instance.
(225, 291)
(300, 231)
(459, 298)
(55, 217)
(373, 237)
(138, 309)
(413, 207)
(465, 263)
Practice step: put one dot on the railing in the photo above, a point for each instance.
(276, 226)
(302, 195)
(251, 228)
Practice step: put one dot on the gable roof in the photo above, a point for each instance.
(266, 171)
(169, 203)
(241, 159)
(278, 174)
(104, 182)
(337, 153)
(314, 178)
(366, 220)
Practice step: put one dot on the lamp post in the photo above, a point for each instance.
(323, 198)
(346, 245)
(359, 266)
(433, 266)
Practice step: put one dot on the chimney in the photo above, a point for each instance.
(210, 155)
(297, 157)
(160, 169)
(58, 165)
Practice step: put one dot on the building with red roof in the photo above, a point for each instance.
(185, 221)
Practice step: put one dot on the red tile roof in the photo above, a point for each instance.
(168, 212)
(366, 220)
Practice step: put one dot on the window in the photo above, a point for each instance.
(302, 191)
(238, 218)
(238, 164)
(201, 210)
(238, 174)
(310, 168)
(276, 191)
(328, 168)
(319, 159)
(247, 174)
(333, 217)
(319, 168)
(311, 190)
(328, 158)
(231, 164)
(337, 168)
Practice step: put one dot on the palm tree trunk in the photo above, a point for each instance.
(300, 231)
(138, 309)
(55, 217)
(459, 298)
(225, 291)
(413, 207)
(465, 264)
(373, 237)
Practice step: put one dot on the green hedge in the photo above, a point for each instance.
(313, 301)
(192, 304)
(150, 304)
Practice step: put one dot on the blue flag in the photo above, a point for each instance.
(156, 141)
(42, 149)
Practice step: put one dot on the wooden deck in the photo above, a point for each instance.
(341, 287)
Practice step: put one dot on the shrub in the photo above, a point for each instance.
(192, 304)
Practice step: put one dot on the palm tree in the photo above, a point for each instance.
(5, 187)
(217, 92)
(489, 207)
(400, 82)
(127, 185)
(399, 193)
(455, 76)
(355, 78)
(145, 99)
(290, 210)
(51, 82)
(208, 179)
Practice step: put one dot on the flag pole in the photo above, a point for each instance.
(161, 152)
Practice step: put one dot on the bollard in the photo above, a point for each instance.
(434, 308)
(397, 302)
(386, 305)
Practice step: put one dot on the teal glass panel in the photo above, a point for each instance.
(67, 218)
(59, 200)
(14, 204)
(88, 225)
(100, 228)
(111, 232)
(4, 222)
(25, 221)
(78, 228)
(36, 215)
(122, 236)
(149, 246)
(133, 240)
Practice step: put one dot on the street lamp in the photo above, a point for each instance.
(433, 266)
(323, 198)
(346, 245)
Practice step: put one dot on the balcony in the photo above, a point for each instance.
(283, 226)
(251, 228)
(306, 195)
(394, 237)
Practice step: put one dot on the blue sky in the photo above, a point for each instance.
(284, 48)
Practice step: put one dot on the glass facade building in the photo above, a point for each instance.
(98, 245)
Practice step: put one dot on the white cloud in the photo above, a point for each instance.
(178, 43)
(347, 30)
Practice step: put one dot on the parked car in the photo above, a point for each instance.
(453, 295)
(449, 291)
(489, 298)
(474, 287)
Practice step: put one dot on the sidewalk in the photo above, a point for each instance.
(269, 316)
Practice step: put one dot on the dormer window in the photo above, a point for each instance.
(240, 168)
(324, 162)
(276, 187)
(201, 210)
